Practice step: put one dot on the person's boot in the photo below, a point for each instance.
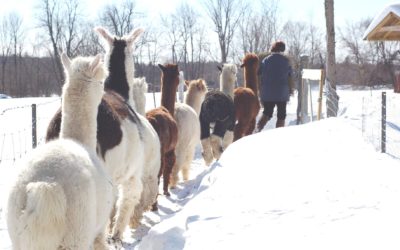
(261, 123)
(280, 123)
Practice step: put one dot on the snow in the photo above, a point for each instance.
(319, 185)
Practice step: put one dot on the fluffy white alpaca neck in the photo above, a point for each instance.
(181, 86)
(79, 109)
(227, 81)
(194, 98)
(137, 95)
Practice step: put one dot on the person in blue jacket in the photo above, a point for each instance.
(275, 87)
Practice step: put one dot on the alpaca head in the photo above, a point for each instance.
(119, 59)
(250, 60)
(84, 76)
(229, 71)
(198, 86)
(114, 42)
(228, 78)
(170, 75)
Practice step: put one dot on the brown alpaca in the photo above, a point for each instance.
(163, 122)
(246, 100)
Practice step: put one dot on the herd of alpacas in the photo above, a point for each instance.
(104, 155)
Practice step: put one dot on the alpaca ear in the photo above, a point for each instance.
(199, 85)
(162, 67)
(202, 85)
(219, 68)
(66, 61)
(95, 63)
(105, 34)
(134, 35)
(187, 83)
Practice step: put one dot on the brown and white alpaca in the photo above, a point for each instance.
(187, 118)
(163, 122)
(119, 58)
(246, 100)
(62, 197)
(126, 141)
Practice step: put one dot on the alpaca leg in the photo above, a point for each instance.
(216, 145)
(136, 217)
(207, 151)
(170, 162)
(129, 198)
(180, 158)
(113, 210)
(187, 162)
(251, 127)
(174, 178)
(238, 131)
(100, 242)
(148, 198)
(80, 221)
(228, 139)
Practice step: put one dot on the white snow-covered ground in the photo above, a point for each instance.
(319, 185)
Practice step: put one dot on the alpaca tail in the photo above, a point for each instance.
(44, 219)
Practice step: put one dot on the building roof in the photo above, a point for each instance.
(385, 26)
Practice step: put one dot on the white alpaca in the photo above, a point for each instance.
(137, 99)
(196, 91)
(227, 82)
(228, 78)
(135, 161)
(62, 197)
(186, 116)
(181, 86)
(137, 95)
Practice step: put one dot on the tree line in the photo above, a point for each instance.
(197, 38)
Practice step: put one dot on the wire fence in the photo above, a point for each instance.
(381, 127)
(23, 127)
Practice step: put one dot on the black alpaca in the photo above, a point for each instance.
(217, 108)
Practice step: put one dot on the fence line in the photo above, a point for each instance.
(21, 128)
(381, 127)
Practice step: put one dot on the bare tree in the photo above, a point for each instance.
(332, 102)
(258, 27)
(315, 46)
(358, 52)
(120, 18)
(16, 33)
(172, 35)
(296, 38)
(5, 49)
(50, 19)
(71, 34)
(225, 15)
